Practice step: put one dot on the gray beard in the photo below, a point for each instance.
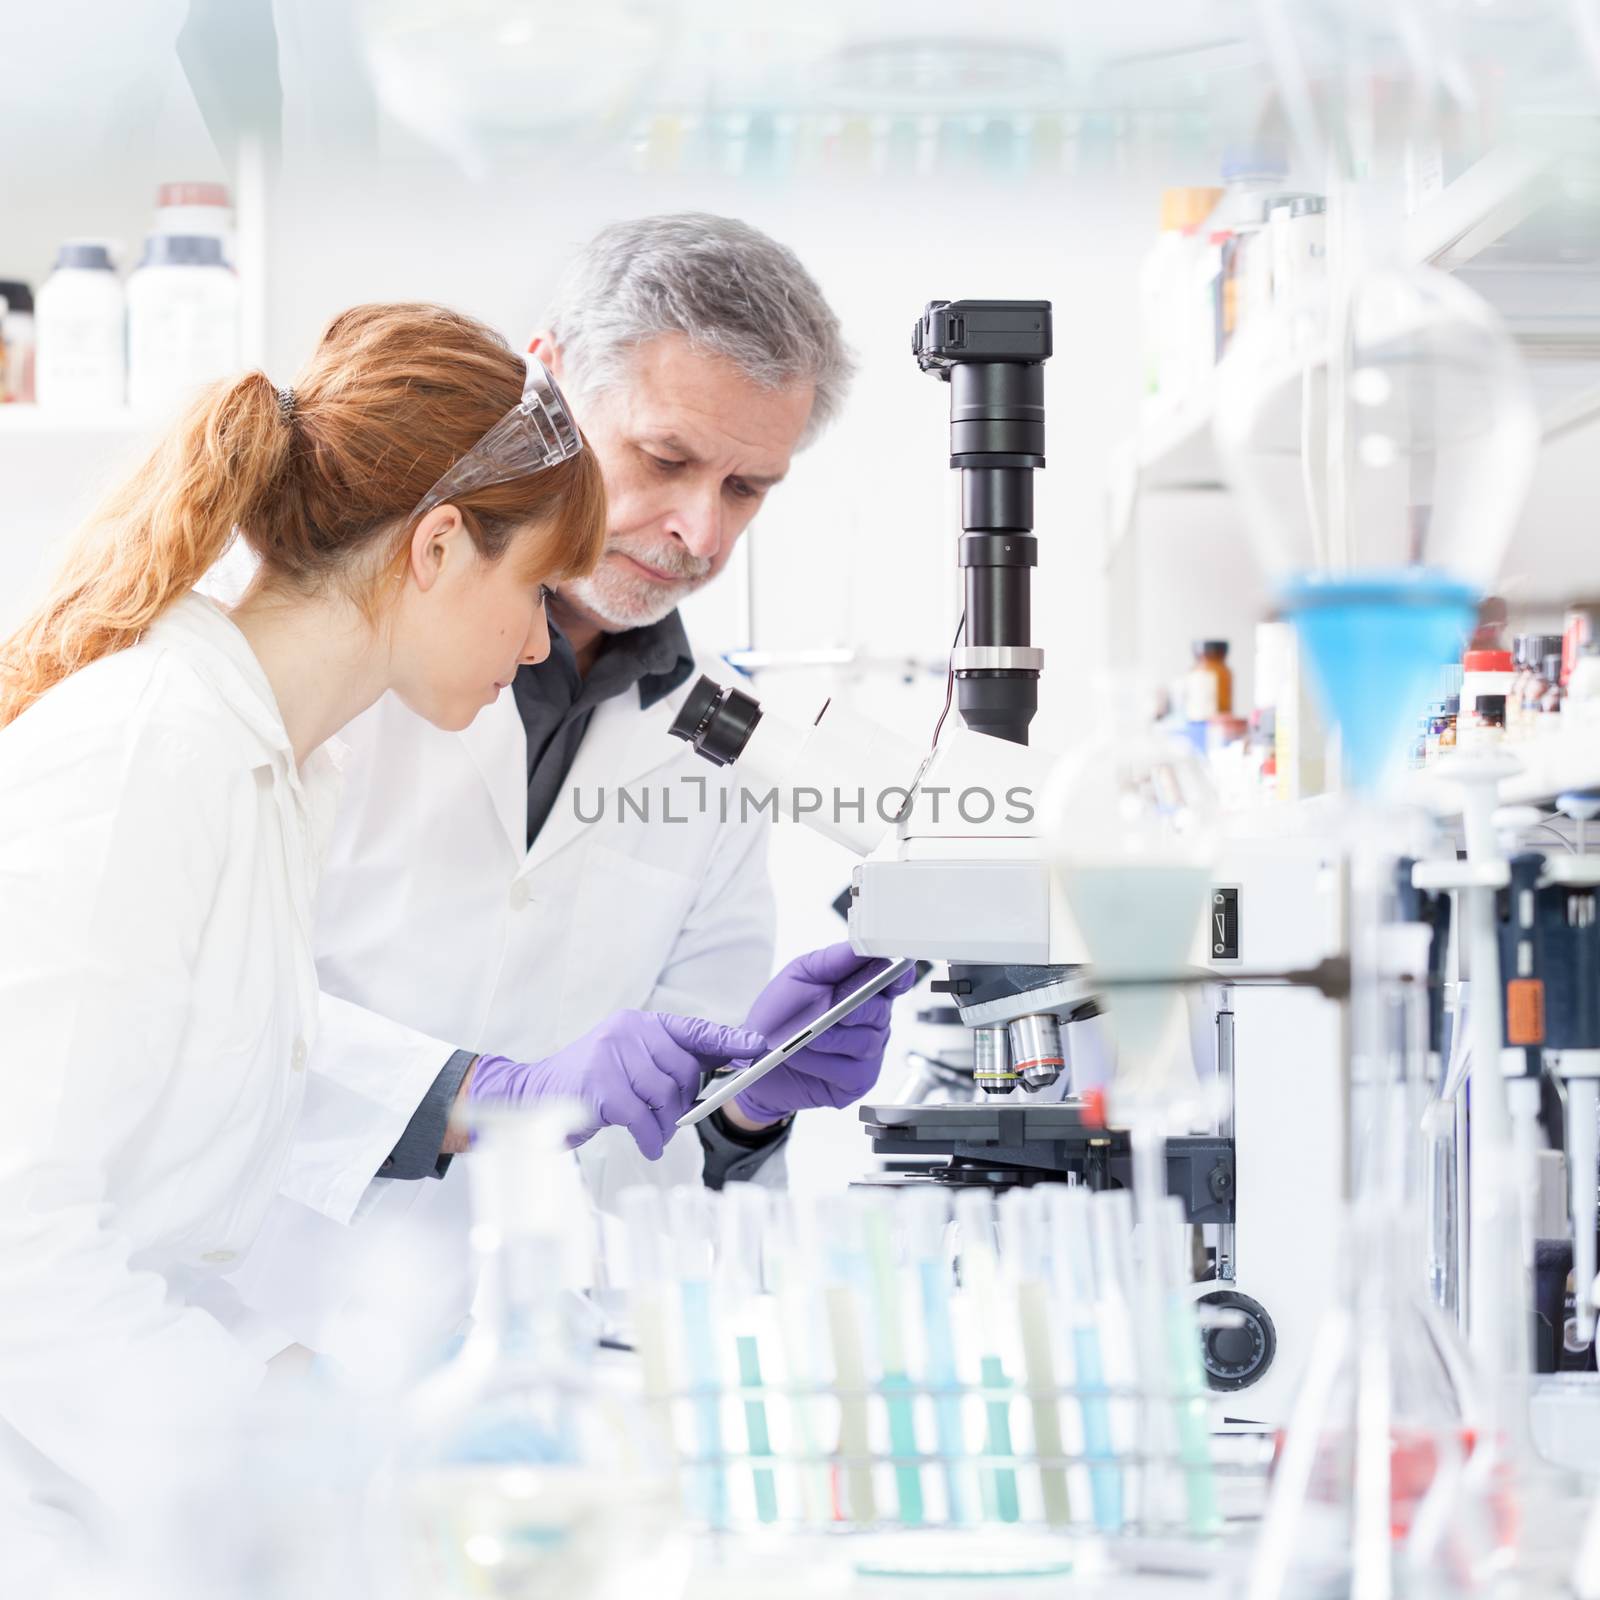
(623, 601)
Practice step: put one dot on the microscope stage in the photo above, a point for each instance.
(1010, 1141)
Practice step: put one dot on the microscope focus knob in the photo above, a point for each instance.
(1236, 1357)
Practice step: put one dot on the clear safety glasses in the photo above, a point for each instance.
(538, 432)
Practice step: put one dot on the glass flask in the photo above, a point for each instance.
(1380, 1488)
(1386, 427)
(1390, 1481)
(528, 1468)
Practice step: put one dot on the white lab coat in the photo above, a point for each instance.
(434, 915)
(158, 1002)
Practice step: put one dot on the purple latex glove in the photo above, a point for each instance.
(638, 1070)
(838, 1066)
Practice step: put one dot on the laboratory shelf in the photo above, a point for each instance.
(1482, 206)
(1566, 763)
(1466, 229)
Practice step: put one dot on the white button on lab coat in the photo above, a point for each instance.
(158, 853)
(443, 930)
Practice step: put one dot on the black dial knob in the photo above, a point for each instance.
(1234, 1358)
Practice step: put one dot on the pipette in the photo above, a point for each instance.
(757, 1070)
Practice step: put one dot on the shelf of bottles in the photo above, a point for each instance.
(1209, 278)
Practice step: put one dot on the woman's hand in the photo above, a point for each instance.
(639, 1070)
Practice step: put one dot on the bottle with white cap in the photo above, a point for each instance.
(80, 363)
(194, 209)
(183, 320)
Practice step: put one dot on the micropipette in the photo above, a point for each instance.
(796, 1041)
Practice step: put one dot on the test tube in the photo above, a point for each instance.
(1190, 1393)
(927, 1215)
(975, 1219)
(798, 1280)
(1111, 1217)
(1078, 1297)
(1023, 1252)
(844, 1263)
(691, 1223)
(744, 1226)
(646, 1255)
(893, 1376)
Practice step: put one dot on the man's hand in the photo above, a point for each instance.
(838, 1066)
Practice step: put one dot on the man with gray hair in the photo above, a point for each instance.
(510, 888)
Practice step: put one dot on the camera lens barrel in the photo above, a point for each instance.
(992, 354)
(997, 408)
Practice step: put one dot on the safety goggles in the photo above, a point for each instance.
(538, 432)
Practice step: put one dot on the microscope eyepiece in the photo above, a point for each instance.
(718, 722)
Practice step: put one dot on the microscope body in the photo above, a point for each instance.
(954, 868)
(962, 874)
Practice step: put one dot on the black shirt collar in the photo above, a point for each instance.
(659, 658)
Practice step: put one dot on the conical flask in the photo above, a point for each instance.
(1388, 1483)
(527, 1469)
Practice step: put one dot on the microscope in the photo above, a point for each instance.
(954, 868)
(954, 865)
